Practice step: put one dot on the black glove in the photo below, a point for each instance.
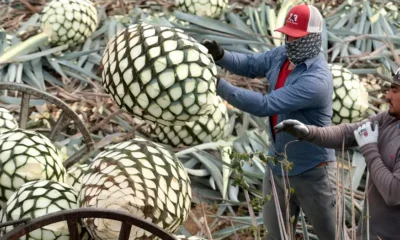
(214, 49)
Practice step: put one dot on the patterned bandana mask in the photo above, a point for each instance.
(304, 48)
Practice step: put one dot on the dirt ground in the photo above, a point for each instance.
(194, 227)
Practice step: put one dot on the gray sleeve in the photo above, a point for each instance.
(387, 182)
(333, 136)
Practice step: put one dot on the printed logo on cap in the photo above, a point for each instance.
(293, 18)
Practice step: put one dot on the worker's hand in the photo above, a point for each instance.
(293, 127)
(214, 49)
(364, 134)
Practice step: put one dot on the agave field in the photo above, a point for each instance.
(166, 148)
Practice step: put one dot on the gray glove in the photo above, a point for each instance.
(293, 127)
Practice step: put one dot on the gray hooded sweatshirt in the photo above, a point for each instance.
(383, 162)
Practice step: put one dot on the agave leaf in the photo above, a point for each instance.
(213, 25)
(54, 64)
(229, 40)
(343, 20)
(201, 193)
(304, 226)
(237, 49)
(12, 72)
(86, 46)
(42, 53)
(198, 172)
(190, 163)
(78, 54)
(212, 168)
(386, 26)
(252, 20)
(48, 77)
(233, 192)
(111, 30)
(78, 69)
(31, 22)
(352, 17)
(210, 145)
(37, 67)
(212, 182)
(343, 32)
(17, 101)
(226, 171)
(271, 18)
(20, 69)
(75, 75)
(363, 71)
(94, 58)
(30, 77)
(361, 27)
(337, 49)
(238, 23)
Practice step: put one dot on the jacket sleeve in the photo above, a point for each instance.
(387, 182)
(333, 136)
(307, 92)
(248, 65)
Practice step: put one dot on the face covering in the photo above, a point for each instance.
(304, 48)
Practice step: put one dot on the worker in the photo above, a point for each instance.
(300, 87)
(378, 138)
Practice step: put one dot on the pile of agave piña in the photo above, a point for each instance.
(162, 76)
(157, 74)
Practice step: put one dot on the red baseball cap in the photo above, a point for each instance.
(302, 20)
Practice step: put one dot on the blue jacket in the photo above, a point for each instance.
(306, 96)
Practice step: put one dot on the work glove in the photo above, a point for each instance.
(293, 127)
(214, 49)
(365, 134)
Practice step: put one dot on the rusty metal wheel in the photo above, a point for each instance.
(65, 117)
(75, 215)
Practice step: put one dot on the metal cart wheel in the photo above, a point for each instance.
(65, 117)
(75, 215)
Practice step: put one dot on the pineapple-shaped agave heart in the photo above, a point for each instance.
(141, 178)
(159, 74)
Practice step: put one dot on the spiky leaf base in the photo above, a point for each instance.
(139, 177)
(350, 98)
(212, 127)
(204, 8)
(7, 121)
(72, 21)
(25, 156)
(38, 198)
(159, 74)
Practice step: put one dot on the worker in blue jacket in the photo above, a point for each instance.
(301, 88)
